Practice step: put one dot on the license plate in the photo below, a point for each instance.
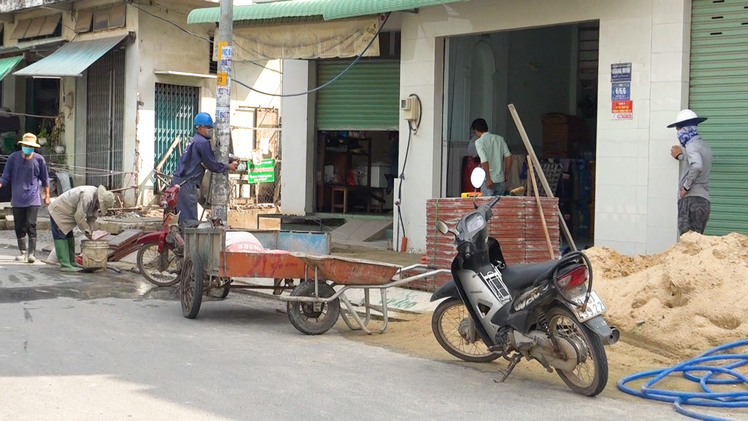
(595, 307)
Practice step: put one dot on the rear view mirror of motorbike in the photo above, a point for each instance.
(477, 177)
(442, 227)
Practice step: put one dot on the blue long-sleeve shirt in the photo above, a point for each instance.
(197, 154)
(25, 176)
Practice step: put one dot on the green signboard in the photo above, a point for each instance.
(263, 173)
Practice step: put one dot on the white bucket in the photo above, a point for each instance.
(95, 254)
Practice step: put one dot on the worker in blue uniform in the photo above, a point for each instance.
(191, 167)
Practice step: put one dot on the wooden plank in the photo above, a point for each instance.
(125, 237)
(543, 180)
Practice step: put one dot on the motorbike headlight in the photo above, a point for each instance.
(475, 223)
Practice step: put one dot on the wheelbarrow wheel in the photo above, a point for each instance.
(191, 290)
(220, 293)
(313, 318)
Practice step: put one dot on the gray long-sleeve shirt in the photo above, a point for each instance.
(697, 164)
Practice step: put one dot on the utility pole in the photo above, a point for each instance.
(220, 193)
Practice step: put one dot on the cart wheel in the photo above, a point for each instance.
(313, 318)
(192, 286)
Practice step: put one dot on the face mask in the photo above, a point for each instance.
(209, 134)
(685, 134)
(27, 150)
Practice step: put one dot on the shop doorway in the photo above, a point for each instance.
(357, 121)
(42, 99)
(550, 75)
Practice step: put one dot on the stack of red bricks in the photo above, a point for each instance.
(516, 224)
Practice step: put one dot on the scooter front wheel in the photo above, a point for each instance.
(445, 324)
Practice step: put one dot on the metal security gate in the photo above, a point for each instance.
(719, 91)
(365, 98)
(105, 120)
(176, 107)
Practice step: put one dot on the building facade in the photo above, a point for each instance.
(609, 75)
(126, 78)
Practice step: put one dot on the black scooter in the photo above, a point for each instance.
(546, 312)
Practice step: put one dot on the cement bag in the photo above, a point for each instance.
(243, 242)
(52, 258)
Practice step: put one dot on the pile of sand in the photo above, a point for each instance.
(681, 302)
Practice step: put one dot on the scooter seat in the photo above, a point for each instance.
(517, 277)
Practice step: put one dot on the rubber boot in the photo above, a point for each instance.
(63, 256)
(31, 251)
(71, 249)
(22, 249)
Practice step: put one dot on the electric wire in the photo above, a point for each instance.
(239, 82)
(412, 130)
(331, 81)
(135, 5)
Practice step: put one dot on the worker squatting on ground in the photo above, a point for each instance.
(79, 206)
(25, 171)
(694, 204)
(191, 167)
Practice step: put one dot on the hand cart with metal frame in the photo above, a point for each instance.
(314, 303)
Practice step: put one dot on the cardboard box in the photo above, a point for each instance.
(248, 218)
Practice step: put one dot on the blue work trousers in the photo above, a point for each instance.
(187, 203)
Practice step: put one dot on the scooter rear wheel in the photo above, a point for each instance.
(590, 376)
(445, 324)
(160, 269)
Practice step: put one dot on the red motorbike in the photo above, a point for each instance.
(160, 254)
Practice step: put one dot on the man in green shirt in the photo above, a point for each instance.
(495, 158)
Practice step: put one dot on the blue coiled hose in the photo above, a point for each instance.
(707, 398)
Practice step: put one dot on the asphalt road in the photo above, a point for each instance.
(108, 347)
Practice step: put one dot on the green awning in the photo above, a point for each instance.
(328, 9)
(72, 59)
(8, 64)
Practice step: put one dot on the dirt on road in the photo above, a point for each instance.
(669, 307)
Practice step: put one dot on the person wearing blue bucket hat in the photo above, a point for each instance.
(694, 202)
(191, 167)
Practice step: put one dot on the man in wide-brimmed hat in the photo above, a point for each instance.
(79, 206)
(694, 204)
(26, 171)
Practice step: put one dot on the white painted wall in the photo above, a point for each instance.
(636, 178)
(297, 141)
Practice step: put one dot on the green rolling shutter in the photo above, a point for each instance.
(719, 91)
(365, 98)
(176, 107)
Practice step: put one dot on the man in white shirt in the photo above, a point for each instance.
(495, 158)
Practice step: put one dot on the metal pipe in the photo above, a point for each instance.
(365, 287)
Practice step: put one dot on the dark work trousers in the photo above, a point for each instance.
(57, 233)
(25, 221)
(693, 214)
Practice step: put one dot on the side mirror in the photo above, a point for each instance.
(442, 227)
(477, 177)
